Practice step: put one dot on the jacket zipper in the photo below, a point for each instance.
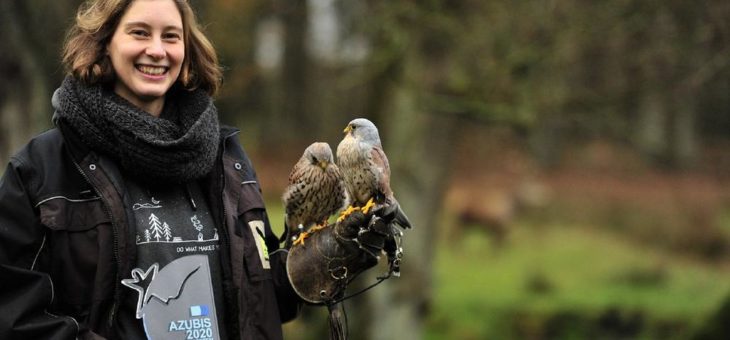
(226, 241)
(115, 241)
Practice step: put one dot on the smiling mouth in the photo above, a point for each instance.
(152, 70)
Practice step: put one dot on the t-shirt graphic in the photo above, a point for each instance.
(160, 232)
(177, 302)
(176, 279)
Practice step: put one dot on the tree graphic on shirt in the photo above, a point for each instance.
(147, 236)
(155, 227)
(166, 231)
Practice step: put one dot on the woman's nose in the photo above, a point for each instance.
(156, 49)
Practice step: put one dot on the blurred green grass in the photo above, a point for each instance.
(275, 211)
(591, 277)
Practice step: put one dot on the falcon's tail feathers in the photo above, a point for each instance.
(393, 211)
(401, 219)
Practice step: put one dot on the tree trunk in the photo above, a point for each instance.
(420, 146)
(418, 139)
(651, 134)
(293, 117)
(29, 100)
(684, 143)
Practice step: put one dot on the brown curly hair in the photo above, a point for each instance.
(84, 52)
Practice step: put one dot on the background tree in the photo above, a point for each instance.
(29, 62)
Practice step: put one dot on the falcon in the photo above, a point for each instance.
(366, 171)
(315, 192)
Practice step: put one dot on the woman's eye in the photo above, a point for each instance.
(171, 36)
(138, 33)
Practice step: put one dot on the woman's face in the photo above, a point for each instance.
(147, 51)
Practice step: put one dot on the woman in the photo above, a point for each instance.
(138, 216)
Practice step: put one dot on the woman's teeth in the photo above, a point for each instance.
(152, 70)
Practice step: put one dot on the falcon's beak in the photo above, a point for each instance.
(322, 164)
(347, 129)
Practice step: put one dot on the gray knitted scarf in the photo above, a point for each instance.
(179, 146)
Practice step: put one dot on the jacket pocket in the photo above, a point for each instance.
(74, 242)
(64, 214)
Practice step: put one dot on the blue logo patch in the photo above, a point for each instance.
(201, 310)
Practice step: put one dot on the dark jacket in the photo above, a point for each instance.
(65, 243)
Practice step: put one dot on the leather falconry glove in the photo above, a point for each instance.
(323, 265)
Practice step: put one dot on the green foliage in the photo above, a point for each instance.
(589, 63)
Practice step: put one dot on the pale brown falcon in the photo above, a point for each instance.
(365, 169)
(315, 192)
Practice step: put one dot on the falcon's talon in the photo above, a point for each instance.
(304, 234)
(369, 205)
(317, 227)
(347, 212)
(301, 238)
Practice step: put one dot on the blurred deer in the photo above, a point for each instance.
(490, 209)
